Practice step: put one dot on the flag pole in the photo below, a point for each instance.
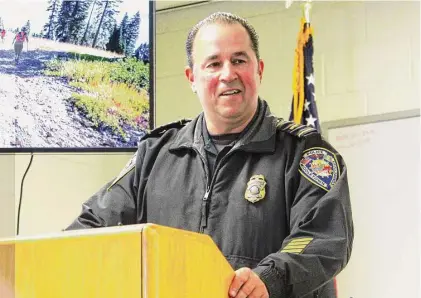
(303, 106)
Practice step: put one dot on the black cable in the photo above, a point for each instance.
(21, 191)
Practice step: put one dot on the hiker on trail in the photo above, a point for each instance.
(2, 34)
(18, 41)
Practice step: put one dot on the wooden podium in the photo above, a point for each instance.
(138, 261)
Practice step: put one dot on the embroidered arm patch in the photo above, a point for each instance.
(320, 167)
(297, 245)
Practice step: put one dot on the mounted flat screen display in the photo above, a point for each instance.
(75, 75)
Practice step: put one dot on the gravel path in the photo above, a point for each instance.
(35, 111)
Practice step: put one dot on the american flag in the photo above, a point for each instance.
(304, 109)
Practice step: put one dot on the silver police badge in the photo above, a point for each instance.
(255, 189)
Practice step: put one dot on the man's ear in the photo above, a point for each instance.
(190, 77)
(261, 67)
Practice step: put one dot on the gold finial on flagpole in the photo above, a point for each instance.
(307, 8)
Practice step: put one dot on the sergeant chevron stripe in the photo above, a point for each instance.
(297, 245)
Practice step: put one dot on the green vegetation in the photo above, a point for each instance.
(113, 93)
(87, 57)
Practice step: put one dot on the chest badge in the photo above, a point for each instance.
(255, 190)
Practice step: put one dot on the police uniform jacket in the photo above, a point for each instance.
(277, 202)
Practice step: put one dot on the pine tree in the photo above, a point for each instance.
(123, 29)
(142, 52)
(105, 22)
(63, 20)
(114, 44)
(52, 19)
(77, 19)
(71, 20)
(84, 40)
(27, 27)
(132, 34)
(123, 38)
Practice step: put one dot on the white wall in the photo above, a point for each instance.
(7, 195)
(366, 56)
(57, 184)
(54, 188)
(385, 204)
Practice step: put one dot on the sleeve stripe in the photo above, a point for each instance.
(296, 251)
(308, 240)
(297, 245)
(302, 239)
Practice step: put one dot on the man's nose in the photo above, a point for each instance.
(228, 73)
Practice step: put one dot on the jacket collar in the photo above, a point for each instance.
(260, 137)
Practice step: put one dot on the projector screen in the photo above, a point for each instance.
(75, 75)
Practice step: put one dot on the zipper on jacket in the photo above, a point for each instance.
(205, 201)
(204, 216)
(209, 184)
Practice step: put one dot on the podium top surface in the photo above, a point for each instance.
(79, 233)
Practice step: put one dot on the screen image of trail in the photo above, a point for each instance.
(74, 74)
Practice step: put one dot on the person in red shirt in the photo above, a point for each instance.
(2, 34)
(18, 41)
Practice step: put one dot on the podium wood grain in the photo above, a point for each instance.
(139, 261)
(7, 270)
(181, 264)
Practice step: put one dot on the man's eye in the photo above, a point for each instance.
(238, 61)
(213, 64)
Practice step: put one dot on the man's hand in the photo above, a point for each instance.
(246, 283)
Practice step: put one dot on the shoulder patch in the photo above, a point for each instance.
(163, 128)
(295, 129)
(320, 167)
(127, 168)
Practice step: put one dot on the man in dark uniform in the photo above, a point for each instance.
(272, 194)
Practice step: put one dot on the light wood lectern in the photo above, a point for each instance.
(139, 261)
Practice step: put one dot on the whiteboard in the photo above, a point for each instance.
(383, 160)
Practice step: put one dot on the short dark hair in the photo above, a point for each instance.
(224, 18)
